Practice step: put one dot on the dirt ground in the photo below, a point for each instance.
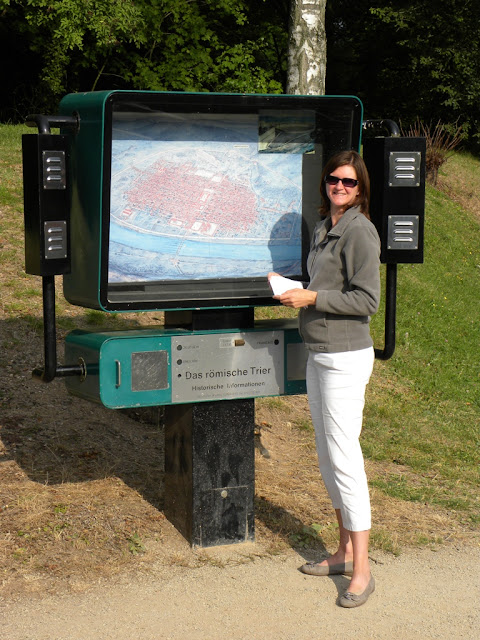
(422, 595)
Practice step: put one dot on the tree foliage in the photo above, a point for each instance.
(81, 45)
(408, 59)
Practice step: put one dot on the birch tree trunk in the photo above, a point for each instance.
(307, 55)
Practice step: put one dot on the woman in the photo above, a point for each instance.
(335, 310)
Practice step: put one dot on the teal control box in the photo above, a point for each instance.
(153, 367)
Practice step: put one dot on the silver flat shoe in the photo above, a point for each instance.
(350, 600)
(315, 569)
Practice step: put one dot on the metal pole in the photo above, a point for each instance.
(50, 369)
(390, 314)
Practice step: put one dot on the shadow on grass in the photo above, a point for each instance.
(56, 438)
(282, 523)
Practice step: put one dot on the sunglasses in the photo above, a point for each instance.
(347, 182)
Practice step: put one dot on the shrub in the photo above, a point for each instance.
(441, 139)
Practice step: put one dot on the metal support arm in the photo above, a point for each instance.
(45, 123)
(389, 125)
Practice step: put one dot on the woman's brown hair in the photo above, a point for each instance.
(355, 160)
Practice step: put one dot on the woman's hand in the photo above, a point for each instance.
(297, 298)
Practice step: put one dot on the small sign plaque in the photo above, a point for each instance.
(227, 366)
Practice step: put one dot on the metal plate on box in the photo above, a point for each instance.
(149, 370)
(55, 239)
(403, 232)
(227, 365)
(404, 169)
(54, 170)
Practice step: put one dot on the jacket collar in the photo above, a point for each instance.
(348, 216)
(339, 229)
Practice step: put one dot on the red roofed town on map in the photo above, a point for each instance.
(189, 198)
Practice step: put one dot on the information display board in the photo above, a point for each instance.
(184, 201)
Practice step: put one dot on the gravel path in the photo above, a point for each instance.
(422, 595)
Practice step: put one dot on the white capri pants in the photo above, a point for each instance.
(336, 385)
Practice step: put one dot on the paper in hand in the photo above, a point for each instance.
(279, 285)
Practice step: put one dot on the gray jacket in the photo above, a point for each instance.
(343, 265)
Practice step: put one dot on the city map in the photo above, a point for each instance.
(195, 197)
